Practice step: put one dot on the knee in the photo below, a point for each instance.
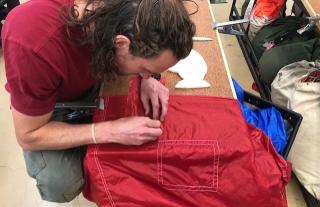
(58, 174)
(59, 189)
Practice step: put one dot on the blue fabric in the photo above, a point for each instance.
(269, 120)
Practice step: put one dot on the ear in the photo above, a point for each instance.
(121, 42)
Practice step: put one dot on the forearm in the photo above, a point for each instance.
(57, 135)
(38, 133)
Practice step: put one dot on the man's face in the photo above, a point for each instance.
(145, 67)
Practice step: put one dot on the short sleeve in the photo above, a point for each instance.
(31, 80)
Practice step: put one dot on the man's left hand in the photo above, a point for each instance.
(152, 91)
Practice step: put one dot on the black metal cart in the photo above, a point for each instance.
(291, 117)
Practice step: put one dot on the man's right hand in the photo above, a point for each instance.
(128, 131)
(38, 133)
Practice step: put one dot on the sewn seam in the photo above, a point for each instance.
(210, 144)
(105, 186)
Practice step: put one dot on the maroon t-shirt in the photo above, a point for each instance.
(43, 66)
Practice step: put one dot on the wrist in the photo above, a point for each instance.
(102, 132)
(93, 134)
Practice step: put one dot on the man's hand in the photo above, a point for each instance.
(128, 131)
(38, 133)
(152, 91)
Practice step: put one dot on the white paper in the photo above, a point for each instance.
(192, 70)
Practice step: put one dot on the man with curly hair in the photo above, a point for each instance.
(56, 51)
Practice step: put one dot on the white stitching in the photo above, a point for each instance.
(161, 172)
(194, 190)
(217, 155)
(283, 196)
(189, 186)
(102, 176)
(214, 167)
(158, 165)
(206, 143)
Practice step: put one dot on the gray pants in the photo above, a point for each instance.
(58, 173)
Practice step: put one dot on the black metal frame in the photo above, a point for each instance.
(301, 6)
(310, 200)
(292, 118)
(248, 52)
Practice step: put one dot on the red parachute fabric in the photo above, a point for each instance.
(270, 9)
(207, 156)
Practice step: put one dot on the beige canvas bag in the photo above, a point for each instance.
(304, 98)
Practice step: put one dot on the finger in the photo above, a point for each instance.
(153, 123)
(155, 107)
(164, 108)
(153, 133)
(146, 139)
(146, 105)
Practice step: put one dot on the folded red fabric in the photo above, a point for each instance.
(269, 9)
(207, 156)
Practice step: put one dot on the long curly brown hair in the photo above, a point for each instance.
(151, 26)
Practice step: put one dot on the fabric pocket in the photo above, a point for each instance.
(189, 165)
(34, 162)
